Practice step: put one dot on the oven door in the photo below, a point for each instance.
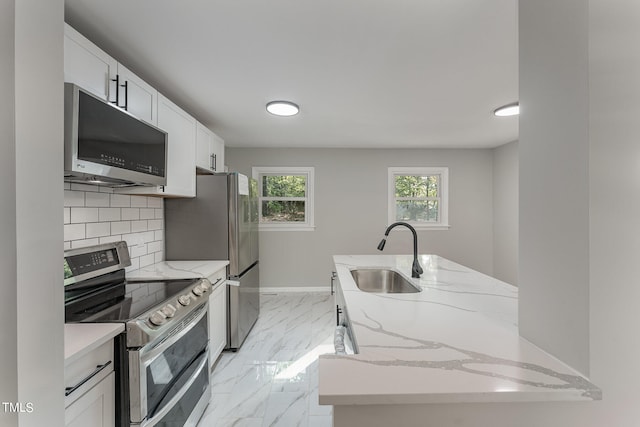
(165, 371)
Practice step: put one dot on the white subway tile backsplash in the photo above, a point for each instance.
(155, 246)
(110, 239)
(147, 213)
(74, 232)
(98, 229)
(155, 202)
(130, 213)
(95, 215)
(133, 239)
(83, 243)
(138, 202)
(148, 236)
(73, 198)
(121, 227)
(109, 214)
(120, 200)
(138, 226)
(155, 224)
(147, 260)
(79, 215)
(138, 250)
(99, 200)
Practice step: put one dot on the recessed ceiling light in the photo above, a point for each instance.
(282, 108)
(507, 110)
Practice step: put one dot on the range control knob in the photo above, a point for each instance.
(157, 318)
(184, 299)
(206, 285)
(168, 310)
(197, 291)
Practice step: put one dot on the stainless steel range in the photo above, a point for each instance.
(162, 357)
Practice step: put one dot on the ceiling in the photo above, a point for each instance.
(366, 73)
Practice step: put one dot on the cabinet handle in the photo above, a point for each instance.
(117, 80)
(126, 94)
(333, 277)
(338, 313)
(99, 368)
(215, 162)
(211, 164)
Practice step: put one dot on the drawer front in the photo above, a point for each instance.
(88, 371)
(218, 278)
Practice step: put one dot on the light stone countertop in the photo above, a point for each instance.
(177, 270)
(456, 341)
(82, 338)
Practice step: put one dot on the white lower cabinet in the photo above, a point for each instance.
(95, 408)
(217, 316)
(90, 389)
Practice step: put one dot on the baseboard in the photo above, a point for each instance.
(291, 289)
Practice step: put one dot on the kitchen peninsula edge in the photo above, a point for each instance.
(456, 341)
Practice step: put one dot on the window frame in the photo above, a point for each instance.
(308, 225)
(443, 190)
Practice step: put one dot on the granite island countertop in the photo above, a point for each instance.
(456, 341)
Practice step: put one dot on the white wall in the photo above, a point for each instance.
(94, 215)
(351, 210)
(505, 212)
(32, 132)
(553, 272)
(8, 290)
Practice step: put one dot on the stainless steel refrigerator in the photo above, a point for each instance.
(221, 222)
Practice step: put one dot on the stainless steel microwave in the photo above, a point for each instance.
(108, 146)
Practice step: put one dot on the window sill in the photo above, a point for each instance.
(274, 227)
(423, 227)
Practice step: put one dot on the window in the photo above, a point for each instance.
(285, 198)
(419, 196)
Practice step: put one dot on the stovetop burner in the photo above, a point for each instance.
(133, 299)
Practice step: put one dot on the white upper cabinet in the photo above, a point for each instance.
(209, 150)
(91, 68)
(136, 96)
(86, 65)
(181, 150)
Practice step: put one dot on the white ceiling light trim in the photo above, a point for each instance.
(283, 108)
(507, 110)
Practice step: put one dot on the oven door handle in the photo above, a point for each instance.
(158, 416)
(148, 357)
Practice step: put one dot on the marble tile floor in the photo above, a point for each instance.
(273, 379)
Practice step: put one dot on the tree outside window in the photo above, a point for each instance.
(286, 197)
(418, 196)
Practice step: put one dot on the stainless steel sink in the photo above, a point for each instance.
(383, 281)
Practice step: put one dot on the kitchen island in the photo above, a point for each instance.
(454, 342)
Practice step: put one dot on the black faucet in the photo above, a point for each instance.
(416, 270)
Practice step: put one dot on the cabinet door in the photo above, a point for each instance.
(95, 408)
(87, 65)
(181, 162)
(217, 317)
(204, 146)
(137, 96)
(218, 154)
